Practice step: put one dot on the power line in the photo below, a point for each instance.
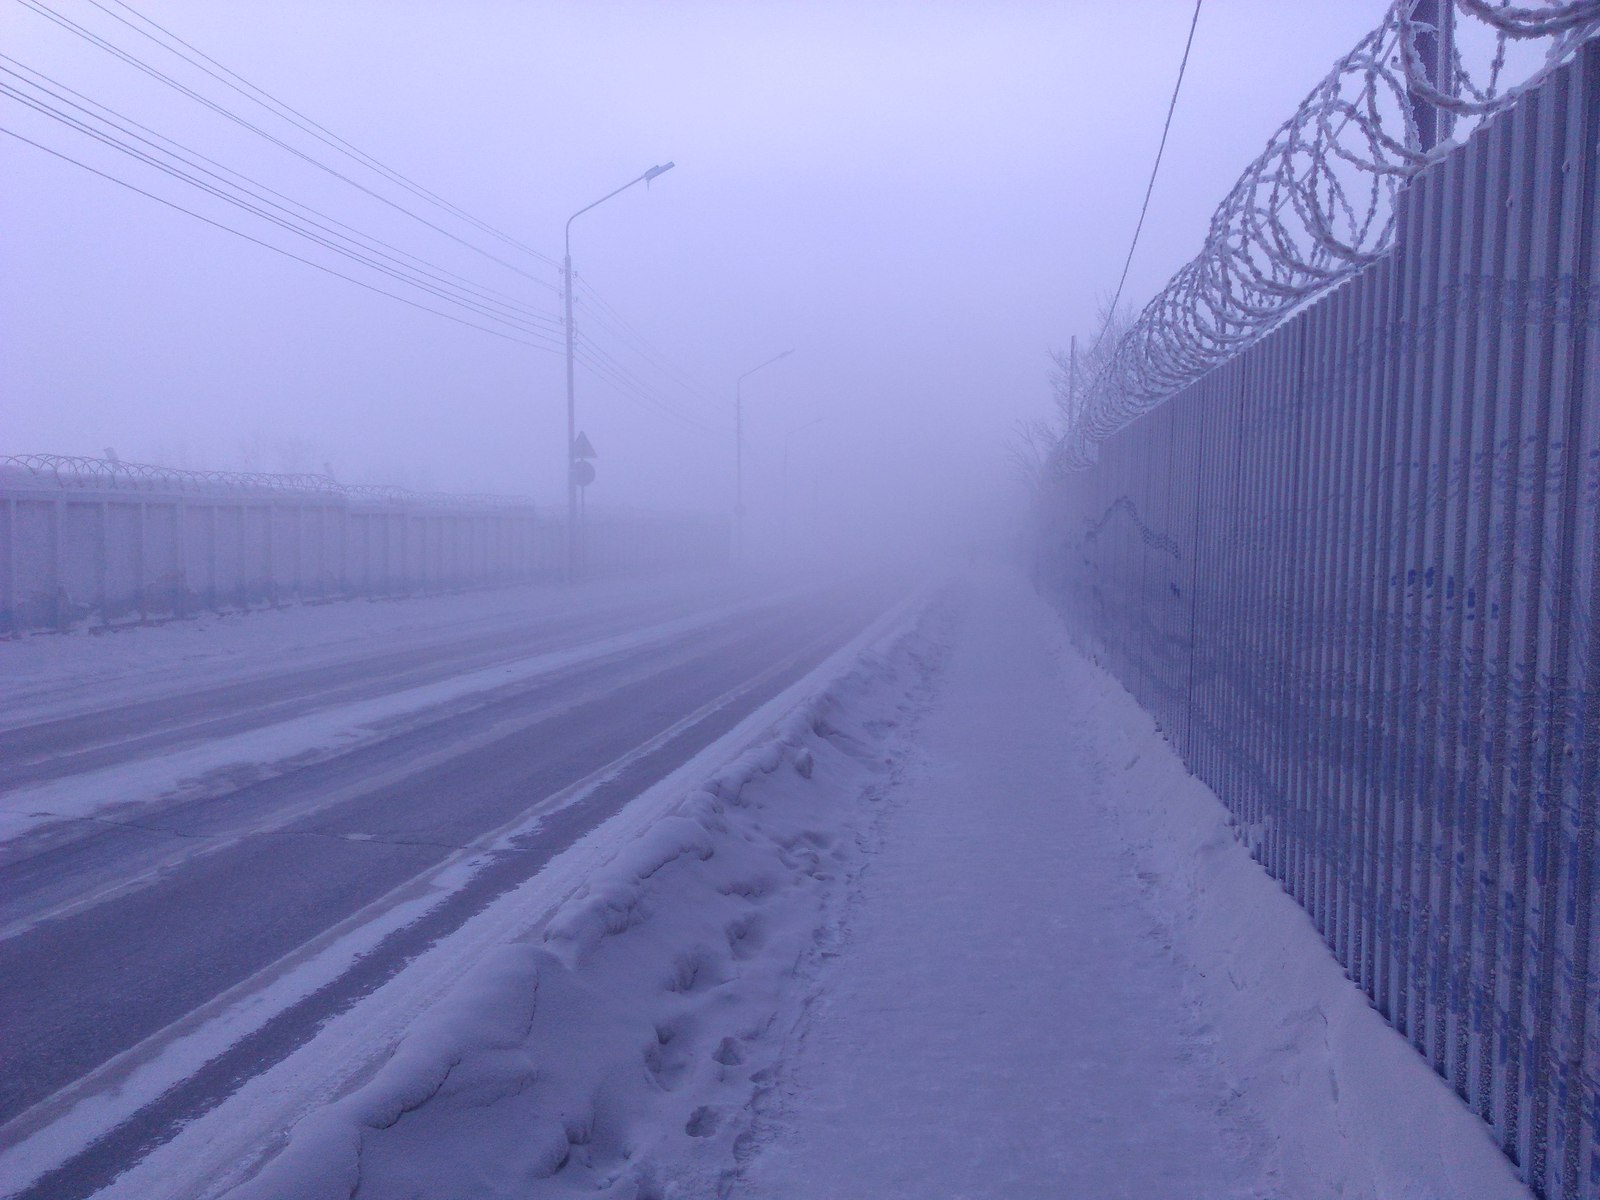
(44, 10)
(269, 245)
(308, 222)
(290, 225)
(296, 117)
(1156, 166)
(628, 389)
(598, 359)
(607, 316)
(491, 298)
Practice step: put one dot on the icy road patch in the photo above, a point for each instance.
(125, 787)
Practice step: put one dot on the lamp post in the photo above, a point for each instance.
(572, 407)
(787, 439)
(738, 452)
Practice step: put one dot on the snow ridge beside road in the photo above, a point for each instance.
(625, 1048)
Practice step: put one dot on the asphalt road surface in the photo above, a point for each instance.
(117, 927)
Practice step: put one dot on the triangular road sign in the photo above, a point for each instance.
(582, 447)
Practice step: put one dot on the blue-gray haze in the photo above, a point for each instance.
(922, 199)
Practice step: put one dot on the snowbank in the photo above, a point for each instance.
(1353, 1109)
(622, 1049)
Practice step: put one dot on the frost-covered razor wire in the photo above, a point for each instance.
(1317, 205)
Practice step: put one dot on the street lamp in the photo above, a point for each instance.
(572, 408)
(738, 451)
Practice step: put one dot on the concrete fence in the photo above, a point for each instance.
(87, 542)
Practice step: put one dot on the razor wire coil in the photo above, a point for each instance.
(1317, 204)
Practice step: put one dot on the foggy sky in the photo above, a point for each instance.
(922, 199)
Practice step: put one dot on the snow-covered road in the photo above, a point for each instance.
(204, 865)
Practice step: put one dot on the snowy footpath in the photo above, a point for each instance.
(959, 926)
(1061, 977)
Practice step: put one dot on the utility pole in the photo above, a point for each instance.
(572, 418)
(573, 554)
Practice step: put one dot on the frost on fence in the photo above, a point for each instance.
(71, 471)
(1317, 205)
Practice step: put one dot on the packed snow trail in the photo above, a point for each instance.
(1060, 977)
(1005, 1020)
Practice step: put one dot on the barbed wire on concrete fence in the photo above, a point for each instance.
(1318, 204)
(73, 471)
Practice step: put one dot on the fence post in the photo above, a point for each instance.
(271, 566)
(213, 593)
(180, 556)
(13, 616)
(141, 582)
(103, 562)
(58, 561)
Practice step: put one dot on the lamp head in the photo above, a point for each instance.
(662, 169)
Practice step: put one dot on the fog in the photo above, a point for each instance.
(921, 200)
(842, 808)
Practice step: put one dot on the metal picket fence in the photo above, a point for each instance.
(1352, 572)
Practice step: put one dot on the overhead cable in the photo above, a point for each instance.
(604, 314)
(51, 14)
(204, 62)
(598, 359)
(265, 214)
(510, 337)
(1172, 106)
(360, 244)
